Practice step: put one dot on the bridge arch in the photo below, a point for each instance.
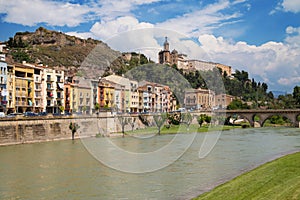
(292, 114)
(291, 117)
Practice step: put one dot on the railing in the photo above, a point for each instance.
(21, 103)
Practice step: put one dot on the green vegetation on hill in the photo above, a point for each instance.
(279, 179)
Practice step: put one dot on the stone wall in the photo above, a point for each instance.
(37, 129)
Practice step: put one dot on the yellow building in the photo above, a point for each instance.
(74, 97)
(106, 94)
(20, 88)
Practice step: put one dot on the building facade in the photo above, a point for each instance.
(85, 96)
(199, 99)
(3, 82)
(54, 84)
(223, 100)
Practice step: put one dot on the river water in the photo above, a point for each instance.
(66, 169)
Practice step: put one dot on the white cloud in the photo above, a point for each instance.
(63, 13)
(106, 29)
(287, 6)
(83, 35)
(289, 81)
(33, 12)
(204, 20)
(291, 5)
(273, 62)
(293, 37)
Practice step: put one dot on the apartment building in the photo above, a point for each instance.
(106, 94)
(199, 99)
(155, 97)
(84, 97)
(54, 84)
(3, 81)
(20, 84)
(74, 95)
(94, 90)
(39, 105)
(123, 92)
(223, 100)
(134, 96)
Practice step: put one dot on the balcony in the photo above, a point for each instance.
(38, 88)
(59, 80)
(50, 80)
(50, 88)
(50, 95)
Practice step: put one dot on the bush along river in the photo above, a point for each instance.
(66, 169)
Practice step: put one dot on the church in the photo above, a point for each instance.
(166, 57)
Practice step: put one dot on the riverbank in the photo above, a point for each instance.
(174, 129)
(277, 179)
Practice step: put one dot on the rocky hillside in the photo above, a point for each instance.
(87, 57)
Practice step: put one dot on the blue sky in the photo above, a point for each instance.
(259, 36)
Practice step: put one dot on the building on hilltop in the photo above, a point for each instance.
(166, 57)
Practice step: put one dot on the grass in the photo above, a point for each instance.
(179, 129)
(279, 179)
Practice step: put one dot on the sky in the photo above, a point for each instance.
(261, 37)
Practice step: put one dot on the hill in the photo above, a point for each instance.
(54, 48)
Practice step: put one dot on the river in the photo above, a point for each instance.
(66, 169)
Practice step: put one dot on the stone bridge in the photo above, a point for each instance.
(263, 115)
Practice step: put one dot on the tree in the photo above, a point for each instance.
(97, 107)
(296, 95)
(187, 118)
(84, 109)
(207, 119)
(160, 120)
(61, 109)
(73, 127)
(131, 122)
(123, 121)
(201, 119)
(237, 104)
